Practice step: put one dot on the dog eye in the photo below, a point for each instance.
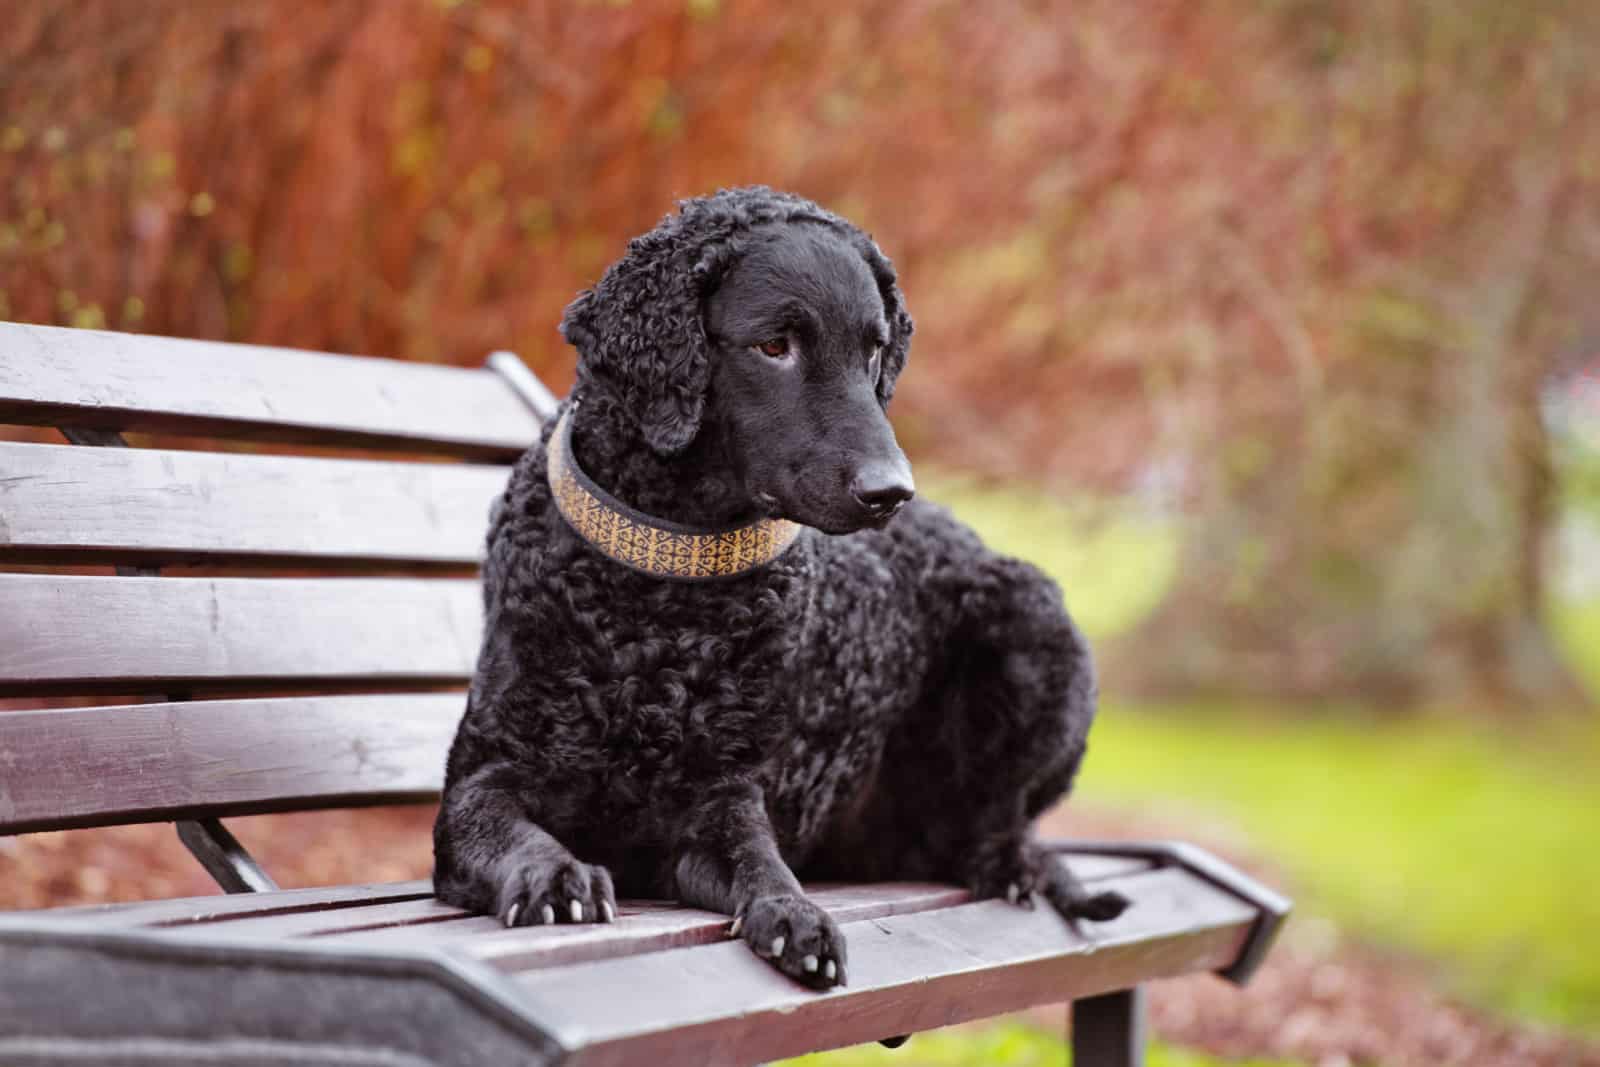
(777, 348)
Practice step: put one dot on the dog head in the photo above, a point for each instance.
(776, 326)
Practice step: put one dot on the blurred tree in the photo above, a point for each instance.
(1379, 528)
(1315, 253)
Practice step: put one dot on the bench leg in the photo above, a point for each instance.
(1108, 1030)
(220, 853)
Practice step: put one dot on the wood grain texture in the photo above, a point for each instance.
(117, 381)
(144, 762)
(402, 914)
(60, 632)
(653, 926)
(718, 1004)
(911, 968)
(75, 505)
(641, 926)
(181, 911)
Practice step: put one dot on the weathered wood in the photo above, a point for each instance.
(525, 383)
(117, 381)
(646, 927)
(1108, 1029)
(719, 1004)
(72, 994)
(641, 926)
(65, 632)
(145, 762)
(183, 911)
(919, 962)
(373, 916)
(406, 919)
(405, 915)
(399, 915)
(60, 504)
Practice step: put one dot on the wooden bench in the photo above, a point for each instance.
(235, 688)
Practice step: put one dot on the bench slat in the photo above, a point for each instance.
(143, 762)
(182, 911)
(719, 1004)
(524, 948)
(63, 504)
(642, 926)
(403, 914)
(72, 632)
(116, 381)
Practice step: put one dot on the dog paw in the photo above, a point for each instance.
(1096, 907)
(1011, 873)
(1018, 873)
(796, 937)
(1075, 903)
(539, 889)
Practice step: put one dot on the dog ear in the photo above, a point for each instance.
(894, 309)
(639, 334)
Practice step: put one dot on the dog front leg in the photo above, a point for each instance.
(728, 861)
(490, 856)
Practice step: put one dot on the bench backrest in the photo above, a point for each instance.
(257, 631)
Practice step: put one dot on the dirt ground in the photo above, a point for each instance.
(1320, 998)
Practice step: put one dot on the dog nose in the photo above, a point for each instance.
(883, 487)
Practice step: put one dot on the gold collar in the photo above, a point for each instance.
(656, 546)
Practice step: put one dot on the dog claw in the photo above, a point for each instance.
(1011, 892)
(738, 924)
(548, 915)
(830, 970)
(810, 964)
(577, 912)
(777, 946)
(608, 914)
(511, 915)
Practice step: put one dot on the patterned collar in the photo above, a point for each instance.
(655, 546)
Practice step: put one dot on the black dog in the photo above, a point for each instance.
(855, 698)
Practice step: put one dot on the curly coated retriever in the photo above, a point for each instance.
(724, 648)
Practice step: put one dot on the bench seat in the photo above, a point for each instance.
(663, 985)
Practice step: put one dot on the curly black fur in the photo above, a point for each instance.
(893, 702)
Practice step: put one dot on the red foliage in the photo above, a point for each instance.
(1279, 243)
(1108, 216)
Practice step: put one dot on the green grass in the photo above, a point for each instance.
(1577, 627)
(1004, 1045)
(1464, 842)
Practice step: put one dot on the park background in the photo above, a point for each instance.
(1269, 327)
